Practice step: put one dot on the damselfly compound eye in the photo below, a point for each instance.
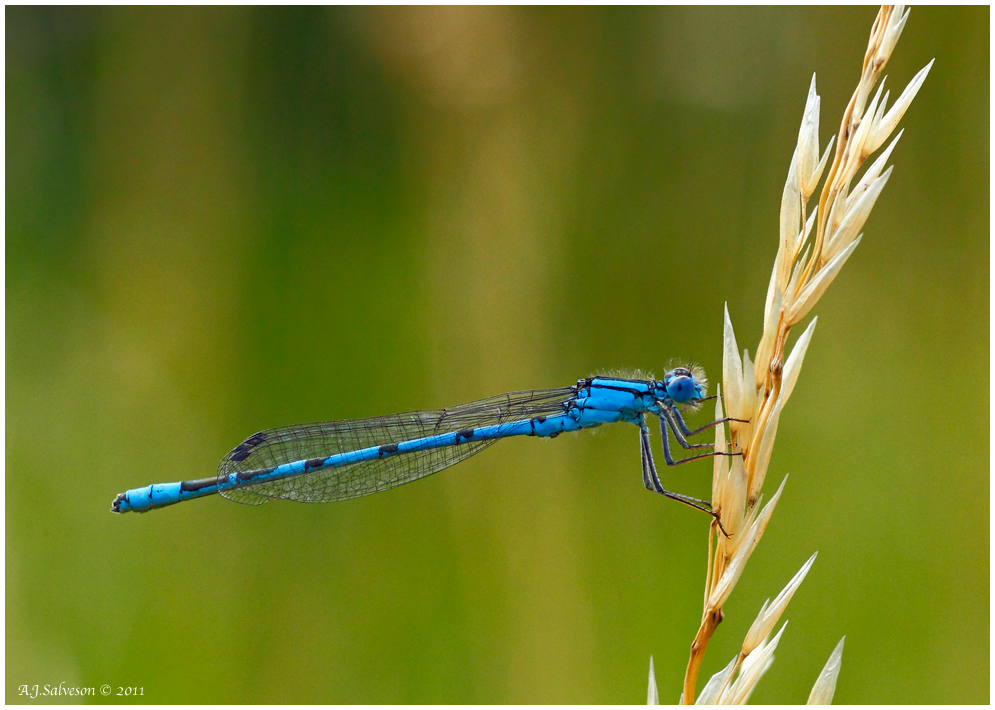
(681, 389)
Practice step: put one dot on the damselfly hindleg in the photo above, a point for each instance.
(651, 479)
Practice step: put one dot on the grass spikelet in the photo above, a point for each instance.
(812, 249)
(825, 684)
(652, 696)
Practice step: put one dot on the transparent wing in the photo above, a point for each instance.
(275, 447)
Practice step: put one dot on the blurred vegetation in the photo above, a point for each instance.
(222, 220)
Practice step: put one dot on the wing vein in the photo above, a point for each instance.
(275, 447)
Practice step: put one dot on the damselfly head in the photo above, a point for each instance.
(686, 384)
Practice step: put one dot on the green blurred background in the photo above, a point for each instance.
(223, 220)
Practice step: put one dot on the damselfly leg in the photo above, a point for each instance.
(684, 427)
(651, 479)
(671, 421)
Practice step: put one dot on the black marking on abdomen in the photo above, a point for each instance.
(312, 464)
(387, 449)
(255, 473)
(197, 485)
(465, 434)
(242, 451)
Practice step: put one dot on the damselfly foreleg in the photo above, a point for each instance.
(682, 433)
(667, 424)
